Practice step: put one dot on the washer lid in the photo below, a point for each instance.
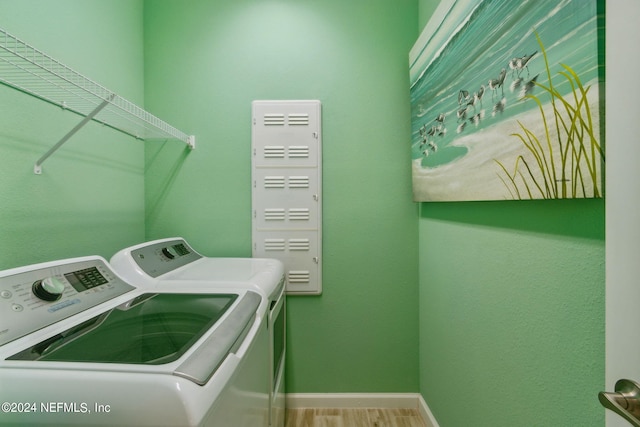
(150, 329)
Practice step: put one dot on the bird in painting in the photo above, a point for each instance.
(519, 64)
(494, 84)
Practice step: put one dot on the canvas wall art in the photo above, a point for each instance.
(505, 102)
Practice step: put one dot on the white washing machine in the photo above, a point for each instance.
(173, 262)
(80, 346)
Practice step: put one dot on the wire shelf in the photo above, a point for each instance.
(29, 70)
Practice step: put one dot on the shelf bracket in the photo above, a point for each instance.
(191, 142)
(37, 168)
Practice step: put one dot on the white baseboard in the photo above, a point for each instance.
(362, 400)
(352, 400)
(426, 413)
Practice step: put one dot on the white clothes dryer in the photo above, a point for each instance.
(80, 346)
(173, 262)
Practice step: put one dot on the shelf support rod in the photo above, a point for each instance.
(37, 168)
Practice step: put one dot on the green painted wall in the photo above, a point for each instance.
(512, 310)
(96, 181)
(204, 65)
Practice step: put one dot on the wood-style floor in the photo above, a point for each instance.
(358, 417)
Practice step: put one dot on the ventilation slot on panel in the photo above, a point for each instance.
(274, 152)
(299, 151)
(298, 182)
(299, 214)
(298, 276)
(274, 119)
(274, 244)
(298, 119)
(299, 244)
(274, 214)
(274, 182)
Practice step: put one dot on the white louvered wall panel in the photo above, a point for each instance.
(287, 189)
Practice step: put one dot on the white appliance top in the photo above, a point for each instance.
(173, 260)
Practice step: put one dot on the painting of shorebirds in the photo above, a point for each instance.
(506, 101)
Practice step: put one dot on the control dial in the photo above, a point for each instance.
(49, 289)
(170, 252)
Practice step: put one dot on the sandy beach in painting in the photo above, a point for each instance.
(477, 176)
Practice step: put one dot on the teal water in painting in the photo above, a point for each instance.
(451, 93)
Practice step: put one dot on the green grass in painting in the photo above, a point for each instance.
(574, 144)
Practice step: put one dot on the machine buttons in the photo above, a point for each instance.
(91, 278)
(17, 307)
(181, 249)
(5, 294)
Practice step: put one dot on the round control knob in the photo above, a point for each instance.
(49, 289)
(170, 252)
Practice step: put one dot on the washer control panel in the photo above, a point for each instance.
(37, 296)
(160, 258)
